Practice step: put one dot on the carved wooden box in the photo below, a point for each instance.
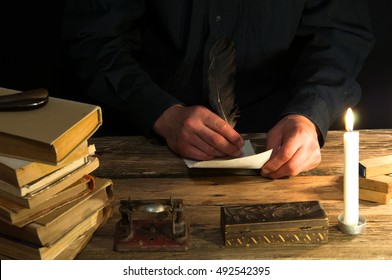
(274, 224)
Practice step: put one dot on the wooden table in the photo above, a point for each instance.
(143, 168)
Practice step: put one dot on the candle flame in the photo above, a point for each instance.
(349, 120)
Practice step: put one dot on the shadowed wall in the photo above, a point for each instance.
(31, 57)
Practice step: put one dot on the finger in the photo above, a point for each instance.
(194, 153)
(203, 146)
(281, 156)
(303, 160)
(192, 146)
(218, 142)
(274, 142)
(222, 128)
(292, 167)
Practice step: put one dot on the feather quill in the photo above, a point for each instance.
(221, 78)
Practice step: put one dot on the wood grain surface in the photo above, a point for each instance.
(144, 168)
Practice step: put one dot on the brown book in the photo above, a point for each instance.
(67, 247)
(19, 173)
(375, 196)
(381, 183)
(48, 229)
(50, 133)
(17, 215)
(375, 166)
(49, 189)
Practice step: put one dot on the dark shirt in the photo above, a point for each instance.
(292, 56)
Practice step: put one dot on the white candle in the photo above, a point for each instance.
(351, 161)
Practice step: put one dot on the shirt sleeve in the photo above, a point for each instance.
(101, 39)
(336, 38)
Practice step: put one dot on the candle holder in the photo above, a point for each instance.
(351, 229)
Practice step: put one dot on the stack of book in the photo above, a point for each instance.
(375, 181)
(50, 203)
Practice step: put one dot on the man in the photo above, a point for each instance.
(296, 64)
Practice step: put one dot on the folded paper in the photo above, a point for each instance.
(248, 160)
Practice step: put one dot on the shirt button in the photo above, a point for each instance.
(218, 19)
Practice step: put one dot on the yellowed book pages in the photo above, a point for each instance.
(51, 227)
(32, 197)
(8, 191)
(22, 250)
(17, 215)
(50, 133)
(77, 246)
(19, 172)
(44, 182)
(72, 251)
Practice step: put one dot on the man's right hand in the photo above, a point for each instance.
(196, 132)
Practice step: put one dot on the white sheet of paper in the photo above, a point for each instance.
(249, 160)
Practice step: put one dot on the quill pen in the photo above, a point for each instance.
(221, 77)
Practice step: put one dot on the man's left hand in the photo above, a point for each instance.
(295, 145)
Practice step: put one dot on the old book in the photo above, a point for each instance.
(33, 195)
(375, 166)
(51, 227)
(71, 251)
(64, 248)
(17, 215)
(20, 216)
(274, 224)
(19, 173)
(50, 133)
(44, 182)
(381, 183)
(375, 196)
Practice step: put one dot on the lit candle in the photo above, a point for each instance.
(351, 160)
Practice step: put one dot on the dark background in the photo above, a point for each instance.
(31, 56)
